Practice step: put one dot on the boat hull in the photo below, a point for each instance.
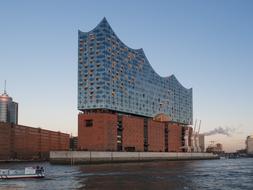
(21, 176)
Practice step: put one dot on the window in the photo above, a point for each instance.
(89, 123)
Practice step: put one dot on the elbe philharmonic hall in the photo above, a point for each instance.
(124, 104)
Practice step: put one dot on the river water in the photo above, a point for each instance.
(227, 174)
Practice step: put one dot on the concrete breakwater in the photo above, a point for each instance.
(86, 157)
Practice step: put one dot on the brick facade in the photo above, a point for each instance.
(5, 141)
(101, 135)
(100, 132)
(133, 133)
(175, 137)
(22, 142)
(156, 136)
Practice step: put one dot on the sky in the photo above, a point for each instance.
(207, 45)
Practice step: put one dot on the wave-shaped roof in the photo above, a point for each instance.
(140, 50)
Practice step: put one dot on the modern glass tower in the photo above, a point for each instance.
(8, 109)
(112, 76)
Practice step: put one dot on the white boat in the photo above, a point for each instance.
(28, 172)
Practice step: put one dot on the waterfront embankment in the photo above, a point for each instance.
(86, 157)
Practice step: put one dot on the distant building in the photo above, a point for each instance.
(202, 142)
(217, 149)
(249, 145)
(8, 109)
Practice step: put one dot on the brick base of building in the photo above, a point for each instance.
(120, 132)
(25, 143)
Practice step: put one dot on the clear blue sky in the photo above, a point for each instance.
(208, 45)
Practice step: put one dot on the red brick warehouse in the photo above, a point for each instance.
(25, 143)
(100, 132)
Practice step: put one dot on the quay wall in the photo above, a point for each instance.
(86, 157)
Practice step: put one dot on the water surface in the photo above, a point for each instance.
(236, 174)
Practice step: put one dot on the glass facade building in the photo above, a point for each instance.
(113, 76)
(8, 109)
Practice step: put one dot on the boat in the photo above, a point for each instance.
(28, 172)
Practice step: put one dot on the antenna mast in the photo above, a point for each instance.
(4, 86)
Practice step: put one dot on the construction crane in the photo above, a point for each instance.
(197, 138)
(193, 147)
(193, 143)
